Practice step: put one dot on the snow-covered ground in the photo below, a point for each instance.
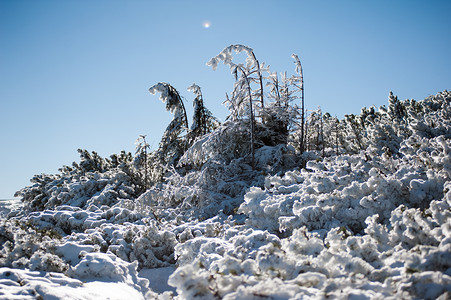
(7, 205)
(370, 224)
(25, 284)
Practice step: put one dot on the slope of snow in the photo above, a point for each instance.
(368, 224)
(25, 284)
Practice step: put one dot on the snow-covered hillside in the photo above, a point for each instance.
(365, 225)
(363, 213)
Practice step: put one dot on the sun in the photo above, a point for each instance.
(206, 24)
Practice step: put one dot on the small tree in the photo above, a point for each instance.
(203, 120)
(298, 82)
(279, 114)
(315, 138)
(140, 160)
(354, 132)
(173, 143)
(242, 92)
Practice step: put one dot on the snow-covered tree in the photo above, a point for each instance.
(315, 137)
(354, 133)
(298, 82)
(241, 104)
(141, 159)
(203, 120)
(331, 133)
(173, 142)
(279, 114)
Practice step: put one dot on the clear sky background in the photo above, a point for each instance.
(75, 74)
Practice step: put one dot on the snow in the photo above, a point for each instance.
(158, 278)
(364, 224)
(24, 284)
(6, 206)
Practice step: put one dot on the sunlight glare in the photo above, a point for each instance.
(206, 24)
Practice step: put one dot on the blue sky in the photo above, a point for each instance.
(75, 74)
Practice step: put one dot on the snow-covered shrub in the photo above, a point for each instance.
(345, 190)
(107, 265)
(95, 181)
(43, 260)
(68, 219)
(387, 128)
(26, 247)
(218, 171)
(147, 244)
(228, 142)
(151, 247)
(381, 262)
(219, 184)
